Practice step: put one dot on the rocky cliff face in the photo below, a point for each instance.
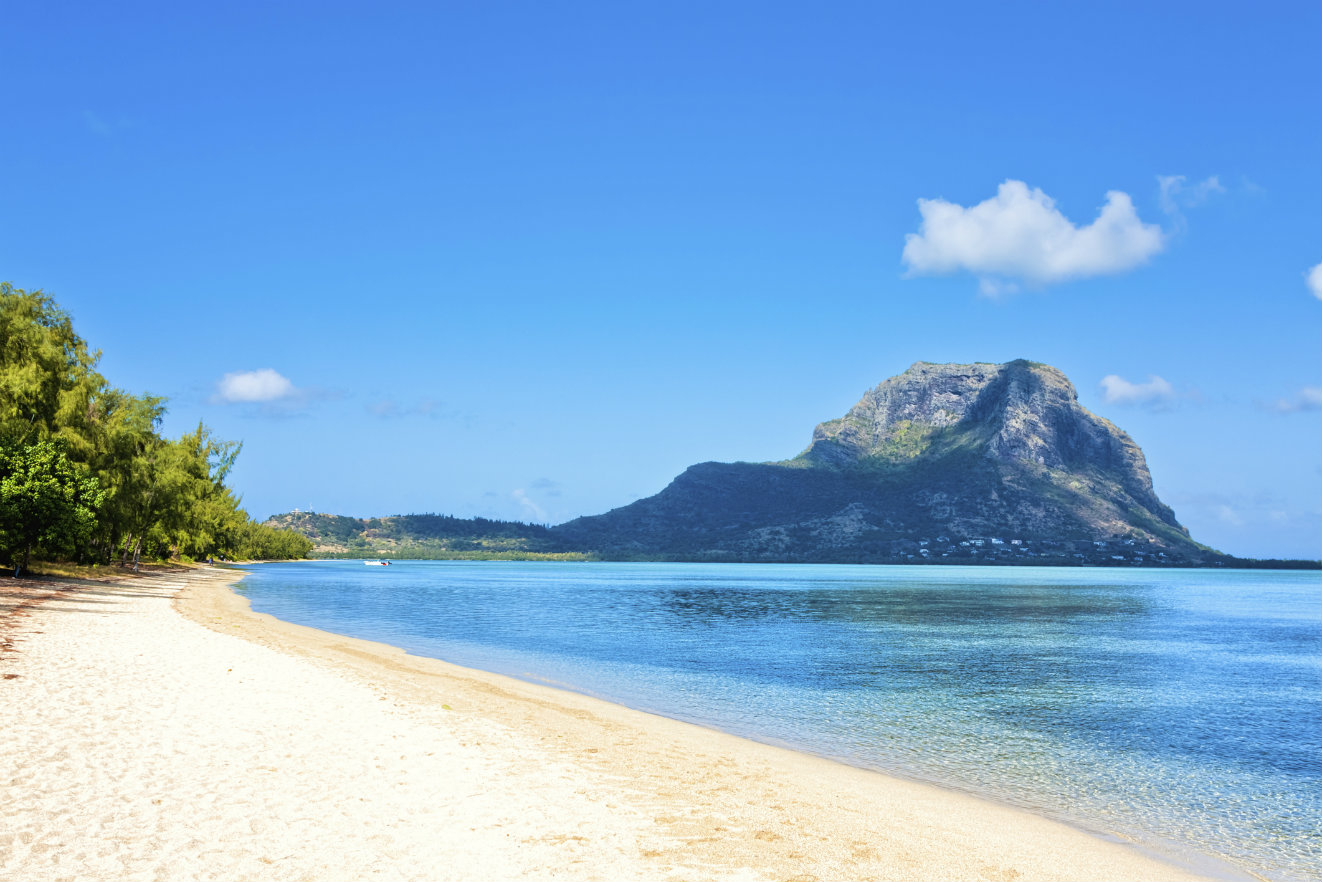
(952, 462)
(930, 395)
(1024, 413)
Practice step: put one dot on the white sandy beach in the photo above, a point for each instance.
(155, 728)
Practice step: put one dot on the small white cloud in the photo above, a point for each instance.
(250, 386)
(1156, 392)
(1204, 190)
(1250, 188)
(1309, 398)
(532, 508)
(1315, 281)
(1020, 235)
(1177, 194)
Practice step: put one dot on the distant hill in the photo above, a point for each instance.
(945, 462)
(425, 536)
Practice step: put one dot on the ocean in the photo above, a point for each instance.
(1181, 709)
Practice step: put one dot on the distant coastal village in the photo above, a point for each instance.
(1096, 552)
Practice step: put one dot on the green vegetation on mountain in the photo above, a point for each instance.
(85, 473)
(425, 537)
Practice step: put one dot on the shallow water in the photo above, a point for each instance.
(1182, 708)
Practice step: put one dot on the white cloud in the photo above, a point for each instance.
(248, 386)
(1250, 188)
(532, 508)
(1020, 235)
(1309, 398)
(1175, 194)
(1315, 281)
(1154, 393)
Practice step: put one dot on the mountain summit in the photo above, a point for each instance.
(945, 462)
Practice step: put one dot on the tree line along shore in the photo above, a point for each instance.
(85, 473)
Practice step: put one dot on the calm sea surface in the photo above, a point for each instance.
(1182, 708)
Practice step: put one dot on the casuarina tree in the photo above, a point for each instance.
(46, 502)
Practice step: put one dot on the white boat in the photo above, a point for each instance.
(376, 563)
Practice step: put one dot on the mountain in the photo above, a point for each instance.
(945, 462)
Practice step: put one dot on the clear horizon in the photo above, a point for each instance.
(531, 263)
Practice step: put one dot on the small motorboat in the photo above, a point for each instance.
(376, 563)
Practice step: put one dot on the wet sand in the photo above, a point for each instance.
(157, 728)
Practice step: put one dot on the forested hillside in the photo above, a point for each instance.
(425, 536)
(85, 473)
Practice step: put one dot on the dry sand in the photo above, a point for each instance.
(142, 743)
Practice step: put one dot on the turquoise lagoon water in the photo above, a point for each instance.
(1179, 708)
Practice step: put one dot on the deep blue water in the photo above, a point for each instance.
(1182, 708)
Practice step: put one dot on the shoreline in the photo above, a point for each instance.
(1168, 852)
(531, 781)
(1229, 562)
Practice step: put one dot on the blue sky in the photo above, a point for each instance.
(532, 260)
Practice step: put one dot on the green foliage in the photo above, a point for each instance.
(907, 441)
(46, 371)
(256, 541)
(46, 501)
(154, 496)
(427, 537)
(424, 552)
